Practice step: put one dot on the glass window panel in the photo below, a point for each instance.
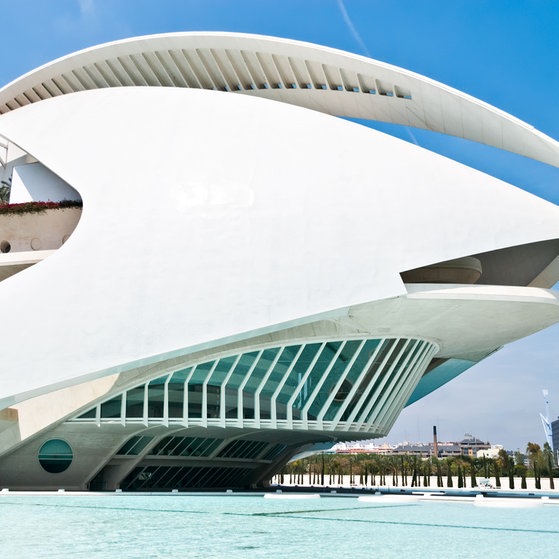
(336, 371)
(265, 407)
(370, 377)
(162, 446)
(221, 370)
(156, 397)
(296, 374)
(89, 414)
(243, 449)
(195, 388)
(238, 375)
(135, 445)
(180, 376)
(214, 398)
(176, 393)
(167, 446)
(164, 481)
(326, 356)
(124, 449)
(127, 482)
(279, 370)
(231, 403)
(211, 445)
(393, 384)
(135, 402)
(281, 410)
(141, 444)
(200, 373)
(158, 447)
(241, 369)
(197, 447)
(174, 479)
(274, 452)
(112, 408)
(195, 401)
(264, 363)
(224, 453)
(277, 376)
(367, 351)
(146, 475)
(381, 378)
(184, 447)
(248, 406)
(229, 449)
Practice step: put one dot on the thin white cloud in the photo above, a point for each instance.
(412, 136)
(352, 28)
(87, 7)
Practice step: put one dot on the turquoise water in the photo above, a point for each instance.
(230, 526)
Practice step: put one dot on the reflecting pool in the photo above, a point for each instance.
(234, 526)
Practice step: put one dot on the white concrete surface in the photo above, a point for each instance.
(222, 217)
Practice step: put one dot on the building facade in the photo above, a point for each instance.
(251, 276)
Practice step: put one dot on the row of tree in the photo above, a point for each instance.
(4, 192)
(411, 470)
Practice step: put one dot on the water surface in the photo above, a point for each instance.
(233, 526)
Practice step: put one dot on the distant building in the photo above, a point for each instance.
(449, 449)
(414, 449)
(555, 438)
(470, 445)
(492, 452)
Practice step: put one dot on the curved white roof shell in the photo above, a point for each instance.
(316, 77)
(209, 221)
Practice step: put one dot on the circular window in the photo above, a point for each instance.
(55, 456)
(5, 246)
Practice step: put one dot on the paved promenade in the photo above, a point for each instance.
(334, 484)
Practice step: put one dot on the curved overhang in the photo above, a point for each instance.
(181, 226)
(316, 77)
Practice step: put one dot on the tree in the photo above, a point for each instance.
(473, 480)
(449, 482)
(510, 471)
(414, 480)
(485, 465)
(427, 473)
(520, 470)
(534, 452)
(439, 473)
(519, 457)
(511, 476)
(503, 459)
(4, 192)
(497, 469)
(548, 460)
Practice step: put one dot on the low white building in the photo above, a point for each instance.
(492, 452)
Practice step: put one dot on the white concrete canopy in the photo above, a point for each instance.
(312, 76)
(188, 212)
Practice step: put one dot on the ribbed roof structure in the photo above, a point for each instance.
(316, 77)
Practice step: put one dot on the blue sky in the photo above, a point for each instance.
(504, 52)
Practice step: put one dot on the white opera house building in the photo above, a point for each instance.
(231, 272)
